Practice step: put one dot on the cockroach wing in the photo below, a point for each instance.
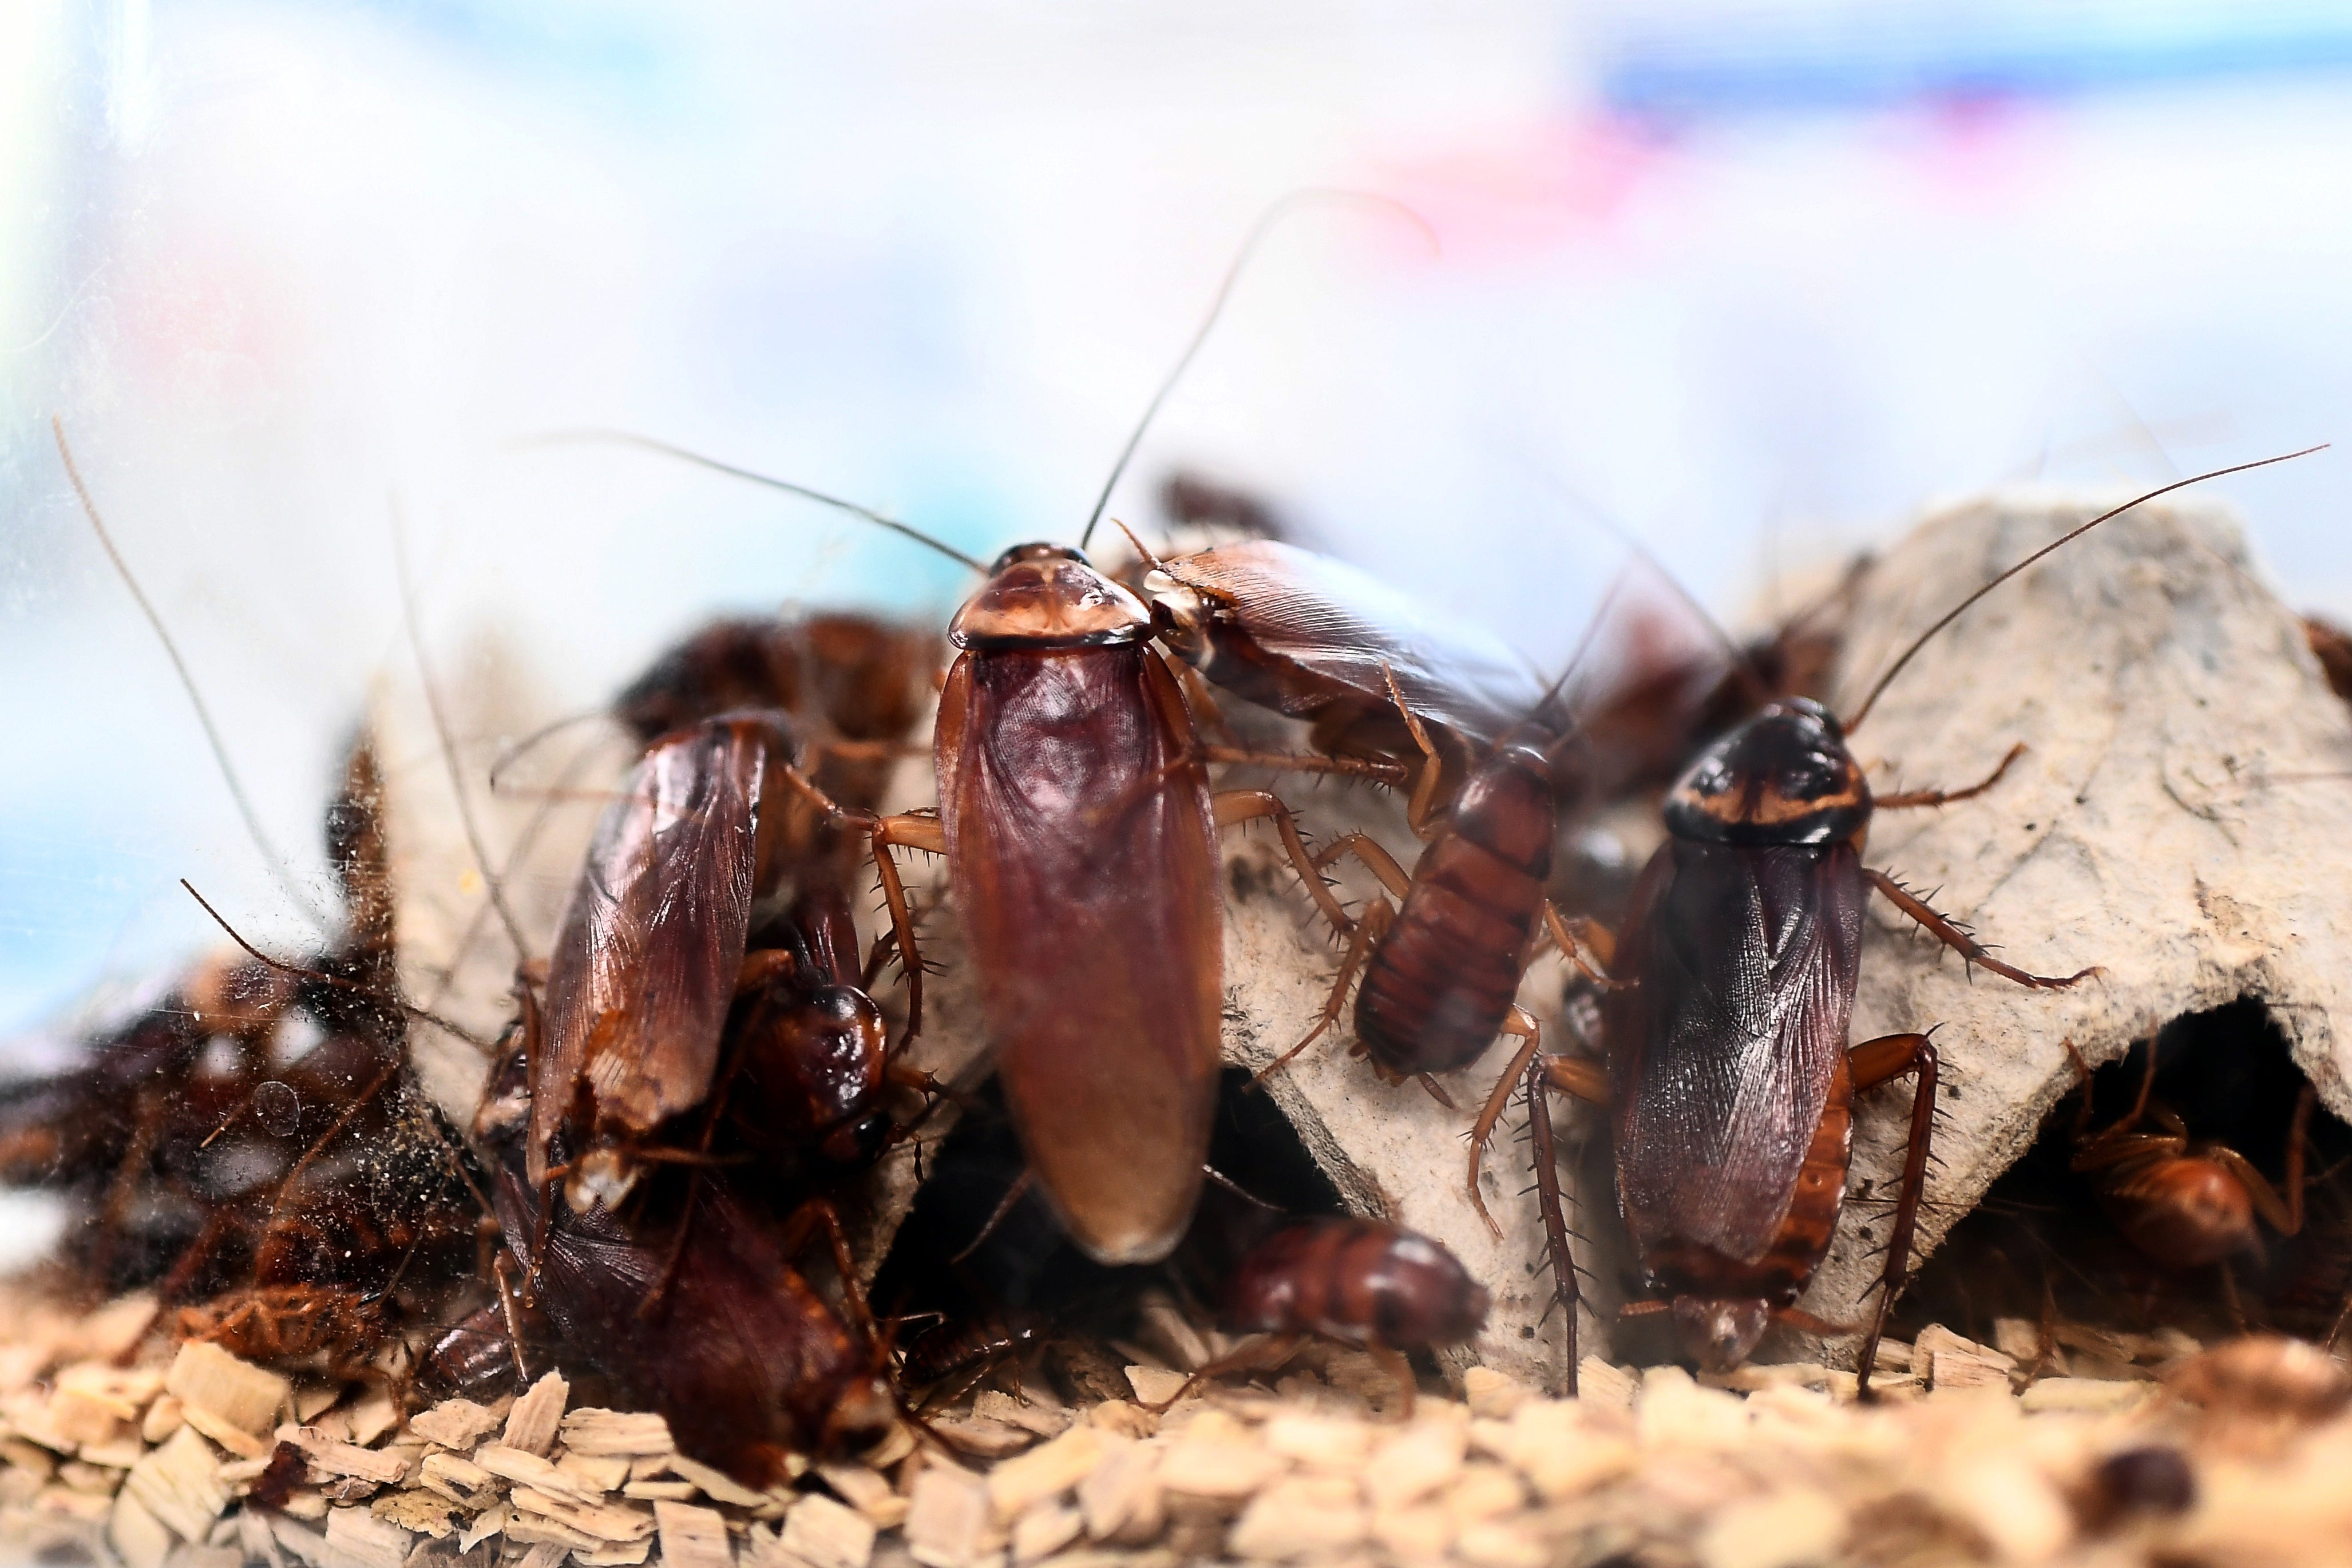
(1339, 626)
(1723, 1055)
(714, 1329)
(644, 968)
(1085, 866)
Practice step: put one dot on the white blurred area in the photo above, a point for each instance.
(1754, 281)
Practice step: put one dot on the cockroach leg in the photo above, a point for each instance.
(760, 965)
(818, 1215)
(1377, 860)
(1389, 773)
(1968, 947)
(1576, 938)
(1874, 1062)
(1908, 799)
(1234, 805)
(1421, 808)
(1368, 930)
(503, 1270)
(1491, 1113)
(1203, 702)
(2284, 1215)
(1260, 1352)
(997, 1216)
(926, 834)
(1555, 1219)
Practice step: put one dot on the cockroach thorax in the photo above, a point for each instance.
(1048, 596)
(1783, 777)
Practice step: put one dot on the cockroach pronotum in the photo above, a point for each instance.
(1362, 1282)
(2184, 1202)
(1080, 831)
(1729, 1081)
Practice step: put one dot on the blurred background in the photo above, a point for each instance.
(1754, 278)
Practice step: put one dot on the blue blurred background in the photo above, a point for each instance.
(1754, 278)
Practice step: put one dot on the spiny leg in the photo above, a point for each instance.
(1234, 805)
(1908, 799)
(1519, 1022)
(1260, 1352)
(930, 835)
(1585, 1081)
(1968, 947)
(1575, 938)
(1374, 859)
(818, 1215)
(1873, 1062)
(1368, 930)
(1389, 773)
(1417, 812)
(1555, 1219)
(1397, 1366)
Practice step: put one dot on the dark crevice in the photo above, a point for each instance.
(2042, 1242)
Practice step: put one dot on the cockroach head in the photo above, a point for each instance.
(1048, 596)
(1783, 777)
(1720, 1332)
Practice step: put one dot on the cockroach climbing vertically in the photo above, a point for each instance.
(1729, 1079)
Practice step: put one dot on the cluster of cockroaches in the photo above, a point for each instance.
(701, 1071)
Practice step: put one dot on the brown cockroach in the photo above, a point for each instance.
(1729, 1081)
(275, 1325)
(690, 1302)
(1364, 1283)
(2184, 1202)
(1080, 833)
(701, 846)
(1375, 676)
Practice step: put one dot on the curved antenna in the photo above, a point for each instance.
(598, 435)
(1954, 613)
(516, 750)
(1241, 261)
(1584, 644)
(285, 882)
(448, 745)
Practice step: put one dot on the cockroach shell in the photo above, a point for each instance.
(1097, 942)
(1783, 777)
(1047, 596)
(811, 1062)
(1307, 635)
(472, 1357)
(1356, 1280)
(2185, 1213)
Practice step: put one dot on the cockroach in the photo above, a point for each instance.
(1364, 1283)
(1080, 832)
(689, 1303)
(2184, 1202)
(951, 1349)
(702, 844)
(343, 1329)
(1729, 1082)
(1374, 675)
(809, 1057)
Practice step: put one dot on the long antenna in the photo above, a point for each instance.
(1241, 261)
(276, 863)
(1955, 612)
(448, 745)
(597, 435)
